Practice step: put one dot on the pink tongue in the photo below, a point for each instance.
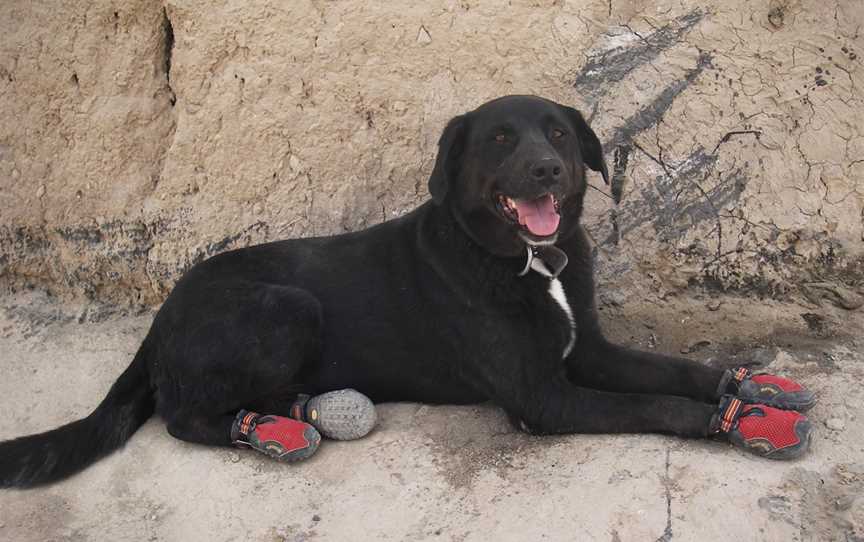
(539, 215)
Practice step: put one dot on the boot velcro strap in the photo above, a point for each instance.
(741, 373)
(246, 423)
(298, 409)
(730, 414)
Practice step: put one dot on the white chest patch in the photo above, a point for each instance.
(557, 293)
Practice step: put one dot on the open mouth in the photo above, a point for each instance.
(538, 216)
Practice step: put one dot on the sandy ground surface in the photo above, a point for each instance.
(448, 473)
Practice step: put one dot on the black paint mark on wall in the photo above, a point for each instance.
(168, 51)
(650, 115)
(674, 204)
(602, 71)
(664, 206)
(619, 169)
(640, 121)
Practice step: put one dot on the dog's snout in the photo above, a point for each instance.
(547, 171)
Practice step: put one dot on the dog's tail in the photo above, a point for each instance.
(47, 457)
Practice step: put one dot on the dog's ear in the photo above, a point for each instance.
(449, 155)
(592, 150)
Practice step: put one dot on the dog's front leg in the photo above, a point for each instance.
(557, 406)
(598, 364)
(744, 417)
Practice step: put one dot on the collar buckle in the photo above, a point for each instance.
(548, 261)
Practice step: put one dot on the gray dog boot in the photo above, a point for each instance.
(339, 415)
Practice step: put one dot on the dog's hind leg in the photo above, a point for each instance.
(228, 346)
(201, 429)
(282, 438)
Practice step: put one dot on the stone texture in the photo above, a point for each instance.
(145, 136)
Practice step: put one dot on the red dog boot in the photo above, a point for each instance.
(765, 389)
(280, 438)
(762, 430)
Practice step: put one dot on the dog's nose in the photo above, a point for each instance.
(546, 171)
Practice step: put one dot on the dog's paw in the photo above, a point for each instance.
(767, 389)
(763, 430)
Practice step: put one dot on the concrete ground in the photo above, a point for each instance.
(448, 473)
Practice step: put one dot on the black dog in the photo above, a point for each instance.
(465, 299)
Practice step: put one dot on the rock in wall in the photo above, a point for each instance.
(140, 137)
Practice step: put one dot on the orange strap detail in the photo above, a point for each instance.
(730, 415)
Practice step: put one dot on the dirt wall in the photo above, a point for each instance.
(139, 137)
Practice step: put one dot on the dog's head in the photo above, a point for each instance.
(513, 172)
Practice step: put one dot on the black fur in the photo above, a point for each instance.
(53, 455)
(428, 307)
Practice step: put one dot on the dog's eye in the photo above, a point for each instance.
(500, 138)
(557, 134)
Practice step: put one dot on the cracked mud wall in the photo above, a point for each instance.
(140, 137)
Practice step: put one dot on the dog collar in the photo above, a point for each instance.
(547, 260)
